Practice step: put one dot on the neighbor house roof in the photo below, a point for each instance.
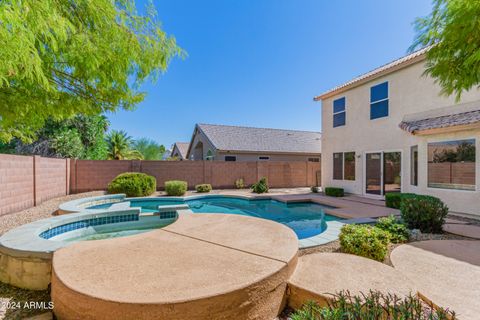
(182, 148)
(249, 139)
(445, 121)
(397, 64)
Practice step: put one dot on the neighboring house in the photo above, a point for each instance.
(233, 143)
(179, 150)
(390, 130)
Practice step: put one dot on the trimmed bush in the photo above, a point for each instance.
(133, 184)
(261, 186)
(176, 187)
(314, 189)
(334, 192)
(371, 305)
(239, 183)
(364, 240)
(203, 187)
(394, 199)
(426, 213)
(398, 231)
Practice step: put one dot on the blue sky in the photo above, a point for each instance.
(260, 62)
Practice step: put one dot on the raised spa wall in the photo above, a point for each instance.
(26, 252)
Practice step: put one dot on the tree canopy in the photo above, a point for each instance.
(60, 58)
(453, 31)
(150, 149)
(80, 137)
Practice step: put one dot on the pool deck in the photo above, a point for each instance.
(320, 275)
(208, 266)
(447, 272)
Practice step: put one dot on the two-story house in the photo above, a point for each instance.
(390, 130)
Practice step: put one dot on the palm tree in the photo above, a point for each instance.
(120, 146)
(150, 149)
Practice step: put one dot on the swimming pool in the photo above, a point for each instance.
(306, 219)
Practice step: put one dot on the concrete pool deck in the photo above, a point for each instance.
(447, 272)
(201, 267)
(320, 275)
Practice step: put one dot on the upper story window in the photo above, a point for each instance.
(230, 158)
(263, 158)
(339, 112)
(379, 101)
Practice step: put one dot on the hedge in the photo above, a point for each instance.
(176, 187)
(334, 192)
(133, 184)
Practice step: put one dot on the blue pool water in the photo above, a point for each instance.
(306, 219)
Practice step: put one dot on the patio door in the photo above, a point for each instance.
(383, 173)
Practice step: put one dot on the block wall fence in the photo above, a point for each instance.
(26, 181)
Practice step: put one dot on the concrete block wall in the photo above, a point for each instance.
(16, 183)
(26, 181)
(88, 175)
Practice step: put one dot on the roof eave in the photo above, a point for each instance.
(374, 76)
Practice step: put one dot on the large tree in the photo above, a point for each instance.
(453, 31)
(59, 58)
(81, 137)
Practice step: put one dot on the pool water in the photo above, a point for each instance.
(109, 234)
(306, 219)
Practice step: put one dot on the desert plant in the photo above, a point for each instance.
(373, 305)
(394, 199)
(133, 184)
(314, 189)
(426, 213)
(364, 240)
(203, 187)
(261, 186)
(239, 183)
(176, 187)
(397, 230)
(334, 192)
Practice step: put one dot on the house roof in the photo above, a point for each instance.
(445, 121)
(397, 64)
(182, 148)
(249, 139)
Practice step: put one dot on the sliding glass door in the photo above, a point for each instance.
(383, 172)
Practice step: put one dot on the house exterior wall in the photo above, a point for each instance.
(409, 93)
(272, 157)
(200, 137)
(176, 153)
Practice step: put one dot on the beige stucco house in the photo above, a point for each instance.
(235, 143)
(179, 150)
(390, 130)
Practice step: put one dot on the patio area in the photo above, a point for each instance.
(245, 267)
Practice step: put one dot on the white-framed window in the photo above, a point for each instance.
(344, 166)
(451, 164)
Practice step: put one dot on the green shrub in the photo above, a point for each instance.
(239, 183)
(261, 186)
(398, 231)
(203, 187)
(394, 199)
(364, 240)
(426, 213)
(176, 187)
(372, 305)
(133, 184)
(334, 192)
(314, 189)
